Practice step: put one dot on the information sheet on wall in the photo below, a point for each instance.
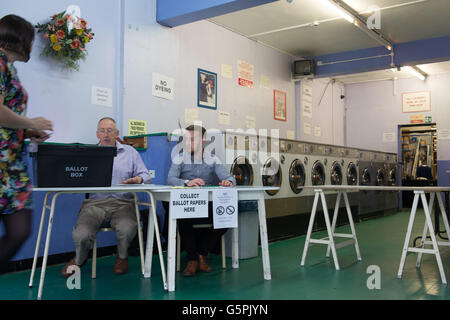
(416, 101)
(307, 92)
(101, 96)
(137, 127)
(163, 86)
(245, 74)
(227, 71)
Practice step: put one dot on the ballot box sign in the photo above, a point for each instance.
(225, 208)
(186, 204)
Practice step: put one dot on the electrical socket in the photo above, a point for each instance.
(152, 173)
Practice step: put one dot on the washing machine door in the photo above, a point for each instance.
(380, 177)
(272, 175)
(297, 176)
(242, 171)
(336, 173)
(392, 178)
(318, 174)
(365, 177)
(352, 174)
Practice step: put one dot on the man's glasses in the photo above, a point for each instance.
(108, 131)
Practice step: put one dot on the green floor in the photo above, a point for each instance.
(380, 241)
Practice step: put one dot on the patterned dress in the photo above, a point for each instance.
(15, 186)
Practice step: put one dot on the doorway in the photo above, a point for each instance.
(417, 157)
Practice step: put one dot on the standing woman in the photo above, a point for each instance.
(16, 40)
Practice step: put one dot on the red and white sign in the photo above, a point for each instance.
(246, 73)
(417, 101)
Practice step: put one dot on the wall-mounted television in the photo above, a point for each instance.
(303, 68)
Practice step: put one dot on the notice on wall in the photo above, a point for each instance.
(163, 87)
(137, 127)
(224, 117)
(101, 96)
(186, 204)
(246, 73)
(388, 136)
(250, 122)
(290, 134)
(416, 101)
(227, 71)
(317, 131)
(225, 208)
(443, 134)
(306, 128)
(306, 101)
(307, 88)
(265, 81)
(190, 116)
(417, 118)
(307, 110)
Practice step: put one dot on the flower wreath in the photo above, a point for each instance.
(66, 38)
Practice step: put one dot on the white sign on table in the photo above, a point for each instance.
(225, 208)
(186, 204)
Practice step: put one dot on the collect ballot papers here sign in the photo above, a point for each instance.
(186, 204)
(225, 208)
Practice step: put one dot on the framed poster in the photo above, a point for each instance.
(279, 105)
(207, 89)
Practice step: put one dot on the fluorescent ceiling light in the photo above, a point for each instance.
(414, 71)
(352, 16)
(332, 5)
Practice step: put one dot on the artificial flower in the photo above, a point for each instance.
(66, 46)
(60, 34)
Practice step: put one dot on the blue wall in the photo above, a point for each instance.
(443, 176)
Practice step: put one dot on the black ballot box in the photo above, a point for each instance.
(72, 165)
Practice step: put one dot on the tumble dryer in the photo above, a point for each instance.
(372, 172)
(270, 167)
(391, 198)
(367, 201)
(318, 159)
(351, 175)
(241, 157)
(288, 214)
(379, 162)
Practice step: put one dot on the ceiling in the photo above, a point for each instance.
(311, 28)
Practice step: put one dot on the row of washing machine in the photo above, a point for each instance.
(289, 164)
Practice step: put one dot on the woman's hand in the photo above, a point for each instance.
(36, 136)
(41, 123)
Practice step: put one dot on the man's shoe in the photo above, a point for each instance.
(121, 266)
(202, 264)
(191, 268)
(64, 271)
